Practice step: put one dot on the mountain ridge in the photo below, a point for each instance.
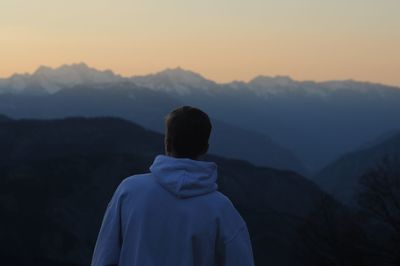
(177, 78)
(340, 178)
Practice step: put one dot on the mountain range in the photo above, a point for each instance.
(147, 108)
(316, 122)
(176, 80)
(49, 80)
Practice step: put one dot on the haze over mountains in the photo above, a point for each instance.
(148, 108)
(314, 122)
(341, 177)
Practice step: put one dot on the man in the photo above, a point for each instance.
(174, 216)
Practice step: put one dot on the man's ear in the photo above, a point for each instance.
(206, 148)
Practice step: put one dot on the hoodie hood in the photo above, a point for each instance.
(185, 177)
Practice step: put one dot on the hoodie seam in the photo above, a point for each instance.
(181, 182)
(235, 235)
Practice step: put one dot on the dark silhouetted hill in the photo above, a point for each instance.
(257, 148)
(341, 177)
(147, 108)
(57, 177)
(3, 118)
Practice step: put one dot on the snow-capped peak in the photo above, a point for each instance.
(181, 75)
(267, 81)
(54, 79)
(176, 80)
(70, 75)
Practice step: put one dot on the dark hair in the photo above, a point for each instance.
(187, 132)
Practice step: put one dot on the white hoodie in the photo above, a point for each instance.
(173, 216)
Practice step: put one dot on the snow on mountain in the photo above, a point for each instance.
(16, 83)
(50, 80)
(181, 82)
(281, 85)
(375, 89)
(278, 81)
(176, 80)
(266, 85)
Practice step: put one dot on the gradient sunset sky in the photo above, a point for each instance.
(224, 40)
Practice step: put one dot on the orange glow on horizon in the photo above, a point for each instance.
(222, 40)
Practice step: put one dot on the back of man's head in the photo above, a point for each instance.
(187, 132)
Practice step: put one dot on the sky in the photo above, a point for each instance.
(224, 40)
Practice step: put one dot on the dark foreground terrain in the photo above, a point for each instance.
(57, 176)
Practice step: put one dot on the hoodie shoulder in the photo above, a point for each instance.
(231, 220)
(138, 178)
(225, 202)
(222, 200)
(134, 182)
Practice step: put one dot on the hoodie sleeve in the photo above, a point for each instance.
(109, 240)
(238, 250)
